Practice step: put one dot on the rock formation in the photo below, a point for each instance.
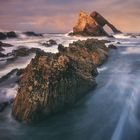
(5, 35)
(53, 82)
(92, 25)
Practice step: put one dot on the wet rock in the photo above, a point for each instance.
(2, 36)
(61, 48)
(92, 25)
(54, 82)
(11, 34)
(30, 33)
(49, 43)
(5, 44)
(5, 35)
(111, 46)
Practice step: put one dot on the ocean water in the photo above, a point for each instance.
(110, 112)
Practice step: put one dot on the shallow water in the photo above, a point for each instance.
(110, 112)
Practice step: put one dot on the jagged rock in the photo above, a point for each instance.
(92, 25)
(30, 33)
(49, 43)
(53, 82)
(111, 46)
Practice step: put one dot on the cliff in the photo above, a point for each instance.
(53, 82)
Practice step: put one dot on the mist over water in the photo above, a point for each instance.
(110, 112)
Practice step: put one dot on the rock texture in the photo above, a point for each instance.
(53, 82)
(92, 25)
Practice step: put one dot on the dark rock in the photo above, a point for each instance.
(111, 46)
(49, 43)
(8, 75)
(61, 48)
(92, 25)
(5, 44)
(1, 49)
(2, 55)
(53, 82)
(11, 34)
(30, 33)
(118, 43)
(2, 36)
(23, 51)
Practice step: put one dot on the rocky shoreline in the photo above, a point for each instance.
(54, 82)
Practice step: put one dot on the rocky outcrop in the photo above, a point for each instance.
(5, 35)
(92, 25)
(100, 20)
(53, 82)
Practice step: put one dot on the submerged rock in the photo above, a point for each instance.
(30, 33)
(53, 82)
(111, 46)
(92, 25)
(5, 44)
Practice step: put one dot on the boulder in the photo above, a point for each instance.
(54, 82)
(11, 34)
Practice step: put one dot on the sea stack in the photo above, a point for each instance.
(54, 82)
(92, 25)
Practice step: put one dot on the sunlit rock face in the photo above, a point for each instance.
(92, 25)
(53, 82)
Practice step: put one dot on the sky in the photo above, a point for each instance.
(60, 15)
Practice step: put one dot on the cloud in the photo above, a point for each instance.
(60, 15)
